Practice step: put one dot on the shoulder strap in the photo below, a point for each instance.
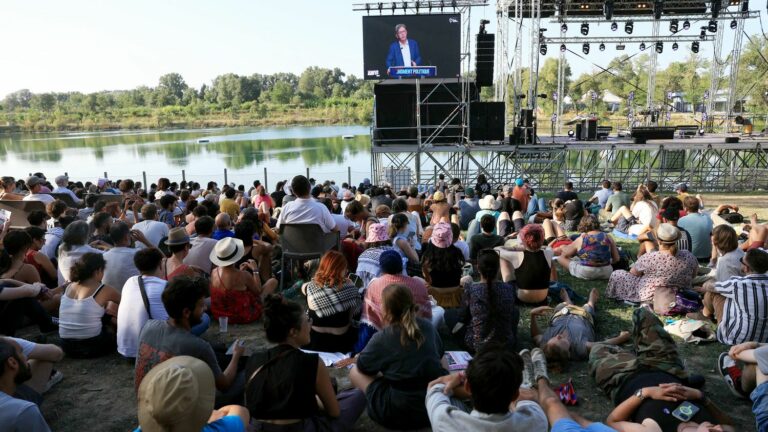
(144, 296)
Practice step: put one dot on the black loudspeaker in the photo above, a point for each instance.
(518, 136)
(588, 130)
(644, 133)
(484, 53)
(486, 121)
(395, 111)
(526, 118)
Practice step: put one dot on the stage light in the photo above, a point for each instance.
(614, 26)
(405, 6)
(703, 34)
(563, 28)
(658, 8)
(585, 29)
(585, 48)
(570, 133)
(543, 49)
(659, 47)
(642, 46)
(454, 5)
(483, 22)
(734, 24)
(629, 26)
(686, 25)
(712, 26)
(745, 6)
(620, 47)
(674, 46)
(673, 26)
(442, 5)
(695, 47)
(608, 9)
(715, 7)
(562, 48)
(368, 8)
(602, 47)
(560, 8)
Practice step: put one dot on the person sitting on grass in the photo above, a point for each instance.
(669, 215)
(640, 217)
(571, 331)
(650, 381)
(291, 390)
(528, 265)
(487, 239)
(397, 364)
(492, 383)
(590, 256)
(179, 394)
(745, 370)
(16, 414)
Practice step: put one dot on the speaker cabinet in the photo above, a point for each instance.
(484, 54)
(486, 121)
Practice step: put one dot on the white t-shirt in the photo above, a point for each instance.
(200, 253)
(119, 267)
(405, 49)
(44, 198)
(306, 211)
(645, 214)
(132, 314)
(153, 230)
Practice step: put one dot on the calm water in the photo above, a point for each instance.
(244, 152)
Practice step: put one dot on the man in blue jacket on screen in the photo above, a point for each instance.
(403, 51)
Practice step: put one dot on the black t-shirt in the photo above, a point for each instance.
(481, 241)
(660, 411)
(533, 273)
(567, 195)
(574, 210)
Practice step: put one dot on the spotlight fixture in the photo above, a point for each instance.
(543, 49)
(715, 7)
(674, 46)
(695, 47)
(712, 26)
(745, 6)
(614, 26)
(642, 46)
(658, 8)
(659, 47)
(602, 47)
(686, 25)
(585, 48)
(608, 9)
(703, 33)
(564, 28)
(562, 48)
(673, 26)
(570, 133)
(734, 24)
(620, 47)
(368, 8)
(585, 29)
(629, 27)
(454, 5)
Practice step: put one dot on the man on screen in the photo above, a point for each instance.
(403, 51)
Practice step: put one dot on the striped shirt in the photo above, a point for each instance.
(745, 314)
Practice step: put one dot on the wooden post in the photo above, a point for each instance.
(183, 175)
(307, 173)
(266, 182)
(225, 176)
(144, 175)
(349, 175)
(105, 175)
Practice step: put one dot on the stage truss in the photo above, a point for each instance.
(706, 164)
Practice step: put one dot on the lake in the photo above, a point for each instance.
(244, 152)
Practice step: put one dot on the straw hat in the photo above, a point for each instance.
(176, 395)
(667, 233)
(489, 203)
(227, 251)
(177, 236)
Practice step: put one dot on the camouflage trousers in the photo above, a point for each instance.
(653, 348)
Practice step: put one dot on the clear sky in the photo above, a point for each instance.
(86, 45)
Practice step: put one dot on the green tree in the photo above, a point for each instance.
(173, 84)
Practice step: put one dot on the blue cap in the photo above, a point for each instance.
(519, 182)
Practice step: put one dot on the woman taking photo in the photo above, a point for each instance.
(333, 301)
(236, 292)
(284, 384)
(88, 311)
(397, 364)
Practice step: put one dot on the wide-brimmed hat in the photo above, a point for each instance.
(227, 251)
(489, 203)
(442, 235)
(376, 233)
(667, 233)
(177, 236)
(176, 395)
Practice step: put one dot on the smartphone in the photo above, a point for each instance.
(685, 411)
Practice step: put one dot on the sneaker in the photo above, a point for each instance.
(539, 364)
(731, 373)
(56, 377)
(528, 372)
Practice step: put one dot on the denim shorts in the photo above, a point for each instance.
(759, 398)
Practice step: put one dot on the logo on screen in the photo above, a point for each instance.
(453, 20)
(373, 73)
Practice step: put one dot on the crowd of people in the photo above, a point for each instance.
(141, 271)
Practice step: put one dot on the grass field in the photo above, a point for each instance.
(99, 394)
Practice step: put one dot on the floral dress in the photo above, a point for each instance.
(659, 269)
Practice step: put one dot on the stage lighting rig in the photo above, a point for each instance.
(543, 49)
(629, 26)
(614, 26)
(608, 9)
(686, 25)
(602, 47)
(658, 8)
(734, 24)
(712, 26)
(642, 46)
(675, 46)
(695, 47)
(585, 29)
(673, 26)
(563, 28)
(715, 8)
(585, 48)
(659, 47)
(562, 48)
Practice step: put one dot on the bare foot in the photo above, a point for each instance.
(594, 295)
(564, 296)
(753, 218)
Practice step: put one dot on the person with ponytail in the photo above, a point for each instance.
(397, 364)
(284, 383)
(488, 309)
(88, 310)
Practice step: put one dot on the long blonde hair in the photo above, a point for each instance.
(399, 309)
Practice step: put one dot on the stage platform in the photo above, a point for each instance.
(706, 163)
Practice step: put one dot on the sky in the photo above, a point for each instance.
(88, 46)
